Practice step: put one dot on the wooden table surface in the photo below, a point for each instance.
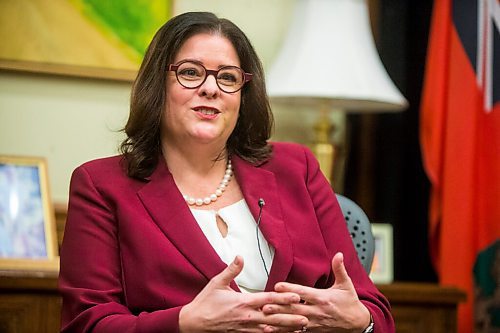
(29, 302)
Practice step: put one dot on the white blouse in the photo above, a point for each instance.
(241, 239)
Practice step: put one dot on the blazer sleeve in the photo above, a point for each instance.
(337, 239)
(90, 277)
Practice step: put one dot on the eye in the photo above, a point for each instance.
(229, 77)
(191, 72)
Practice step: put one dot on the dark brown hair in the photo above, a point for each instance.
(142, 147)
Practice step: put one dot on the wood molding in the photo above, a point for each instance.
(68, 70)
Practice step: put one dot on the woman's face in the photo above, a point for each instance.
(204, 115)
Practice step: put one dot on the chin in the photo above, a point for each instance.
(211, 134)
(208, 138)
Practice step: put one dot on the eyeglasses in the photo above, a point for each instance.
(192, 75)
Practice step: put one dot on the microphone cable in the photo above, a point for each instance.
(261, 206)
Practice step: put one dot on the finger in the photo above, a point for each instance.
(269, 309)
(306, 294)
(274, 329)
(285, 298)
(342, 279)
(224, 278)
(284, 322)
(258, 300)
(306, 310)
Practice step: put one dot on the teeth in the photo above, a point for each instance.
(207, 112)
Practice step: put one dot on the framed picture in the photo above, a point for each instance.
(27, 222)
(86, 38)
(382, 270)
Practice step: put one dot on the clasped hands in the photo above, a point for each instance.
(290, 308)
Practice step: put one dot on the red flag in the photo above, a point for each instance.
(460, 139)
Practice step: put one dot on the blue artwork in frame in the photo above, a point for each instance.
(27, 222)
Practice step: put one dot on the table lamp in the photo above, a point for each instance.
(329, 62)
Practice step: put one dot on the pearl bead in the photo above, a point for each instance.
(218, 192)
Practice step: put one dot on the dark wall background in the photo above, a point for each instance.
(385, 174)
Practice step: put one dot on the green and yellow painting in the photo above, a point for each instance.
(110, 34)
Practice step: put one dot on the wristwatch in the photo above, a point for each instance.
(370, 327)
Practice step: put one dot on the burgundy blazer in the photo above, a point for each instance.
(133, 253)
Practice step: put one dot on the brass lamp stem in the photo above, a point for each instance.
(322, 145)
(323, 128)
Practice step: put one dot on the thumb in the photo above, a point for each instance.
(224, 278)
(342, 279)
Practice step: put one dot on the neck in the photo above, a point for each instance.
(199, 161)
(185, 151)
(196, 172)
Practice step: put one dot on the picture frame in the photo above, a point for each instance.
(382, 270)
(28, 239)
(79, 38)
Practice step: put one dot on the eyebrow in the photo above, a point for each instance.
(201, 63)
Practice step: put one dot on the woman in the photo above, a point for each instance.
(202, 225)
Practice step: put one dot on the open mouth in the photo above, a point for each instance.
(207, 111)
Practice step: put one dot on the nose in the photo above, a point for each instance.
(209, 88)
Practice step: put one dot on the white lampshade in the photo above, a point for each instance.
(329, 58)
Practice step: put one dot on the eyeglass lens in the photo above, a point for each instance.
(193, 75)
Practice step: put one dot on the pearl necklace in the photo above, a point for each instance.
(218, 192)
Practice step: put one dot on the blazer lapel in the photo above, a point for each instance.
(165, 204)
(257, 183)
